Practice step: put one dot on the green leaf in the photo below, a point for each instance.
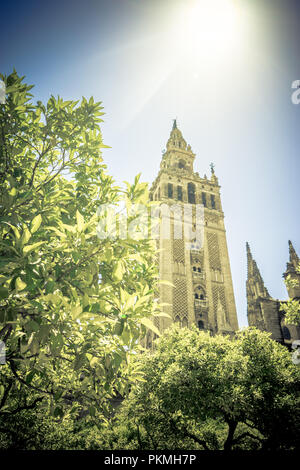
(76, 311)
(94, 361)
(15, 230)
(163, 314)
(30, 376)
(79, 361)
(118, 271)
(25, 236)
(80, 221)
(20, 285)
(3, 293)
(27, 249)
(118, 329)
(35, 224)
(148, 323)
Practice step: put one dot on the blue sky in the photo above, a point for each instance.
(234, 109)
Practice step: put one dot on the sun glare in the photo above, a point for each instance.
(210, 28)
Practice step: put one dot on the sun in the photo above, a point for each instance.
(210, 27)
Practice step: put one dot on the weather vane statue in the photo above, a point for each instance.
(212, 167)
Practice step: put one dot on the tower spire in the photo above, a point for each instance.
(174, 124)
(294, 259)
(255, 281)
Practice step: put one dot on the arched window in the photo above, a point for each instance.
(177, 319)
(204, 199)
(191, 193)
(179, 193)
(199, 293)
(181, 164)
(170, 190)
(200, 325)
(194, 268)
(184, 322)
(199, 270)
(213, 201)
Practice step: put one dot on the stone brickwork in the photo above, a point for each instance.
(203, 290)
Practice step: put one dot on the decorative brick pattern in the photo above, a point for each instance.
(180, 301)
(178, 251)
(214, 251)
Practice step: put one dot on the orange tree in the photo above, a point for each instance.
(73, 305)
(212, 393)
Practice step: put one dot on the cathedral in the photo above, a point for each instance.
(196, 286)
(264, 312)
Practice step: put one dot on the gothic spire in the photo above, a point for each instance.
(174, 124)
(254, 276)
(293, 255)
(291, 266)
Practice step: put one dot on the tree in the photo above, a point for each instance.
(72, 305)
(206, 392)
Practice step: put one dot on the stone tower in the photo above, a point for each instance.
(264, 311)
(201, 292)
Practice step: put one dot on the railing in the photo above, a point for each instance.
(200, 303)
(194, 251)
(198, 275)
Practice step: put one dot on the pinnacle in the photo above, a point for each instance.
(294, 259)
(254, 273)
(249, 254)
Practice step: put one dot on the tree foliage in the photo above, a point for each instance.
(211, 393)
(72, 305)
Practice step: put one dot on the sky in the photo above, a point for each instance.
(226, 78)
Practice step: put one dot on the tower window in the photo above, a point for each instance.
(181, 164)
(179, 193)
(184, 322)
(196, 296)
(191, 193)
(170, 190)
(200, 325)
(213, 201)
(204, 199)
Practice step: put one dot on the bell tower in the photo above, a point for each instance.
(199, 289)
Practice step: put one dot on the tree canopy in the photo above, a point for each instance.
(72, 305)
(205, 392)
